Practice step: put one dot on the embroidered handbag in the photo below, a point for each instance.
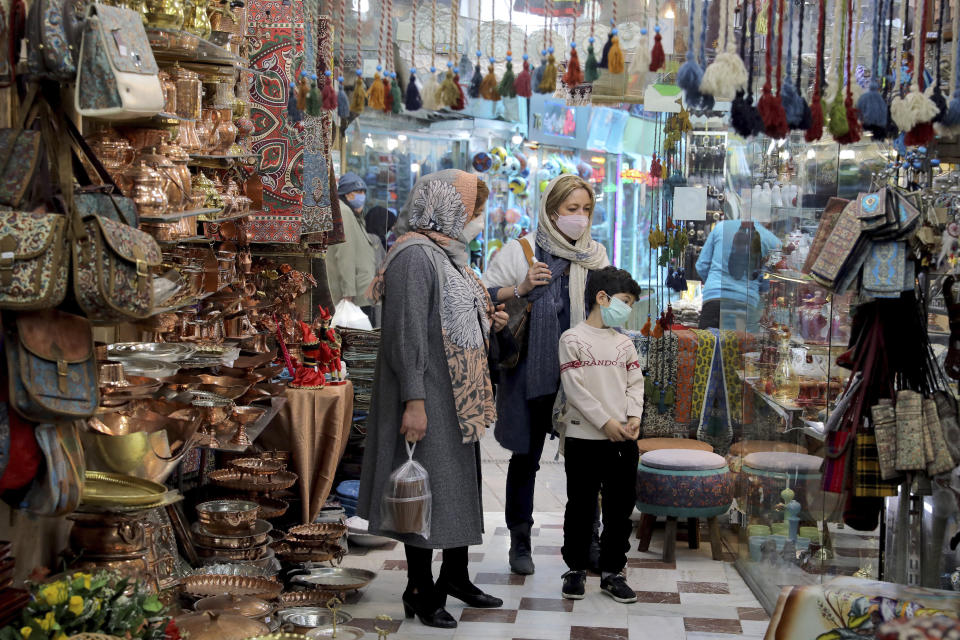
(941, 461)
(910, 445)
(20, 154)
(58, 488)
(885, 430)
(52, 368)
(50, 56)
(117, 79)
(885, 269)
(947, 412)
(831, 213)
(868, 481)
(112, 265)
(33, 260)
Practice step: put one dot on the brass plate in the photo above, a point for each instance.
(336, 578)
(100, 487)
(215, 585)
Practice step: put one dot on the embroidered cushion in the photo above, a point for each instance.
(784, 462)
(682, 460)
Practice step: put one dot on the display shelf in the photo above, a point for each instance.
(233, 216)
(173, 217)
(191, 240)
(789, 276)
(220, 162)
(175, 45)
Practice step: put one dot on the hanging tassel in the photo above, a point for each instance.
(521, 85)
(838, 125)
(315, 102)
(853, 123)
(507, 88)
(303, 90)
(723, 77)
(744, 117)
(449, 94)
(538, 72)
(793, 106)
(938, 99)
(396, 96)
(912, 110)
(387, 94)
(615, 61)
(605, 53)
(921, 134)
(689, 77)
(645, 329)
(413, 101)
(657, 57)
(464, 68)
(375, 95)
(431, 92)
(656, 171)
(328, 98)
(293, 109)
(549, 82)
(591, 72)
(461, 102)
(873, 109)
(476, 80)
(488, 88)
(358, 99)
(773, 115)
(573, 75)
(343, 102)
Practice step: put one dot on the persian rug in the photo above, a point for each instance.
(275, 39)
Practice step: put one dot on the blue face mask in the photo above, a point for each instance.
(616, 313)
(357, 200)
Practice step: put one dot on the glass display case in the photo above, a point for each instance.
(780, 333)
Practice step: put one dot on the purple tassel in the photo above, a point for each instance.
(413, 101)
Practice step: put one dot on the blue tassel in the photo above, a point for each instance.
(292, 110)
(475, 82)
(952, 117)
(793, 104)
(343, 102)
(873, 109)
(689, 77)
(413, 101)
(538, 72)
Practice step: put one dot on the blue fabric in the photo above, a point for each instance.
(543, 334)
(712, 264)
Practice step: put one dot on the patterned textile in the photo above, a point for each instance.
(36, 277)
(684, 494)
(733, 345)
(714, 426)
(662, 368)
(885, 432)
(686, 367)
(317, 139)
(910, 451)
(706, 343)
(437, 214)
(36, 385)
(20, 151)
(275, 39)
(868, 481)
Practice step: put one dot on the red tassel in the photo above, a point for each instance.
(853, 121)
(919, 135)
(461, 102)
(574, 74)
(773, 114)
(522, 85)
(815, 132)
(657, 57)
(656, 170)
(387, 97)
(329, 95)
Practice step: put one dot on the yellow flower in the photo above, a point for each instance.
(76, 605)
(82, 580)
(60, 636)
(26, 631)
(54, 593)
(47, 623)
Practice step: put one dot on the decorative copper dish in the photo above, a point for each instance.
(215, 585)
(257, 466)
(317, 532)
(247, 606)
(336, 579)
(270, 508)
(243, 540)
(238, 481)
(231, 555)
(289, 551)
(308, 598)
(232, 569)
(231, 517)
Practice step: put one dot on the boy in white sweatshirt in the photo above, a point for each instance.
(603, 388)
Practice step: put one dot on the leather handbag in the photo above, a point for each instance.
(518, 311)
(50, 55)
(52, 368)
(117, 78)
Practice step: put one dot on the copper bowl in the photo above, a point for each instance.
(107, 534)
(181, 382)
(291, 551)
(231, 555)
(317, 534)
(228, 516)
(237, 586)
(257, 536)
(257, 466)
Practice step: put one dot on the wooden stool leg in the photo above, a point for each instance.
(693, 533)
(645, 531)
(715, 544)
(670, 540)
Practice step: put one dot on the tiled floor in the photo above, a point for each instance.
(694, 598)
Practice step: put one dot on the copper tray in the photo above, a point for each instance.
(241, 540)
(231, 555)
(317, 532)
(257, 466)
(289, 551)
(215, 585)
(102, 488)
(336, 578)
(270, 508)
(238, 481)
(311, 597)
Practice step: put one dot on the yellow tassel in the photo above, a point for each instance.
(448, 91)
(615, 56)
(488, 88)
(549, 82)
(375, 99)
(358, 99)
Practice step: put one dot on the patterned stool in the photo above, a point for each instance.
(743, 448)
(654, 444)
(766, 474)
(683, 483)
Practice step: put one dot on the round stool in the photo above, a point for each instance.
(768, 473)
(740, 450)
(653, 444)
(683, 483)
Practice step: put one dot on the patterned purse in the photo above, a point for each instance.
(885, 269)
(52, 368)
(50, 55)
(34, 259)
(910, 442)
(117, 79)
(20, 153)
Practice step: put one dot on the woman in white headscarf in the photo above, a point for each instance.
(554, 284)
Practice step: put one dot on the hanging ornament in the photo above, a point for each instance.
(375, 96)
(539, 71)
(507, 88)
(743, 114)
(302, 91)
(795, 107)
(358, 100)
(488, 88)
(852, 115)
(872, 106)
(548, 82)
(393, 98)
(691, 74)
(431, 88)
(450, 92)
(952, 117)
(412, 100)
(770, 107)
(837, 123)
(522, 86)
(657, 56)
(573, 75)
(591, 66)
(461, 102)
(727, 74)
(815, 130)
(916, 109)
(477, 79)
(293, 109)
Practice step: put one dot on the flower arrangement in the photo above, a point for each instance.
(85, 603)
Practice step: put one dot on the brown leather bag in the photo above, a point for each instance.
(519, 312)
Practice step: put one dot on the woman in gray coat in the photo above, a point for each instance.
(432, 387)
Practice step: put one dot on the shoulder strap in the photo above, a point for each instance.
(527, 250)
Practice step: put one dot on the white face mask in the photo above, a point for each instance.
(471, 230)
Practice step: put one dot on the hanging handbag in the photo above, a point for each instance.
(910, 445)
(57, 490)
(828, 220)
(885, 269)
(117, 79)
(50, 55)
(947, 412)
(941, 460)
(34, 258)
(20, 153)
(519, 317)
(868, 481)
(52, 368)
(885, 431)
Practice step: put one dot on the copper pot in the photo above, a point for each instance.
(214, 626)
(228, 516)
(109, 534)
(179, 157)
(189, 92)
(187, 136)
(147, 190)
(114, 151)
(143, 138)
(207, 131)
(169, 92)
(169, 176)
(226, 130)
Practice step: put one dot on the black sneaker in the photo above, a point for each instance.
(574, 583)
(617, 588)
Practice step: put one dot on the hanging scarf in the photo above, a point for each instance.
(543, 364)
(438, 208)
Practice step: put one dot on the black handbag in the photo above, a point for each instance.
(519, 311)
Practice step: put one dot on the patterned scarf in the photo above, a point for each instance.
(438, 210)
(543, 334)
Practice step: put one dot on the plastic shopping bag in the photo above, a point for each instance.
(406, 501)
(349, 316)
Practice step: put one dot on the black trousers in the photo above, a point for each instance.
(710, 314)
(607, 469)
(523, 467)
(420, 570)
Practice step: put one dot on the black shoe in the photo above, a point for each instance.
(521, 560)
(617, 588)
(427, 610)
(574, 584)
(470, 594)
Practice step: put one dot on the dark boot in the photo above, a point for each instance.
(521, 560)
(428, 607)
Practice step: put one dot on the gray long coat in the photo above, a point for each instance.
(411, 365)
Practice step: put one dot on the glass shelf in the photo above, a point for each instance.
(174, 45)
(177, 215)
(221, 162)
(233, 216)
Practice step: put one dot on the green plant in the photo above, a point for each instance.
(85, 603)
